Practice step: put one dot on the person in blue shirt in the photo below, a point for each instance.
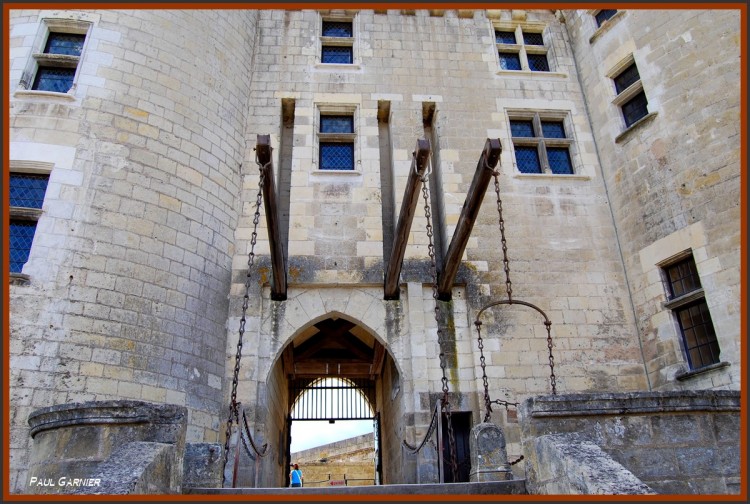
(296, 476)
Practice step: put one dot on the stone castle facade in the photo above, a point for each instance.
(619, 178)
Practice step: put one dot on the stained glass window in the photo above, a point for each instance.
(510, 61)
(603, 15)
(27, 190)
(337, 54)
(336, 156)
(538, 63)
(505, 37)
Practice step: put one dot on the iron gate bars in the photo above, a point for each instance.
(332, 399)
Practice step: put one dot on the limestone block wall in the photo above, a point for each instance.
(674, 180)
(562, 245)
(351, 460)
(130, 268)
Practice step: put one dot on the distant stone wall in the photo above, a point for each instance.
(349, 461)
(674, 442)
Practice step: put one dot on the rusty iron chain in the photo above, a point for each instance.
(233, 405)
(504, 243)
(487, 401)
(414, 449)
(552, 379)
(433, 270)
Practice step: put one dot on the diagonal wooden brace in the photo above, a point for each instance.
(278, 268)
(485, 168)
(405, 217)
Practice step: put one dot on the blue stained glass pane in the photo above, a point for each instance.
(553, 129)
(533, 39)
(21, 236)
(505, 37)
(27, 190)
(527, 160)
(65, 43)
(336, 54)
(604, 15)
(336, 156)
(337, 29)
(336, 124)
(559, 160)
(510, 61)
(626, 78)
(635, 108)
(538, 63)
(54, 79)
(521, 129)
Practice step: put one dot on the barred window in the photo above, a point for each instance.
(55, 67)
(26, 199)
(631, 98)
(688, 303)
(604, 15)
(541, 144)
(336, 136)
(337, 42)
(521, 48)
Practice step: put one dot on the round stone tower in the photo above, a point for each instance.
(124, 296)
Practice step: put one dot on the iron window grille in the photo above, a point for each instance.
(541, 145)
(58, 63)
(688, 303)
(604, 15)
(26, 199)
(336, 137)
(519, 49)
(337, 42)
(631, 98)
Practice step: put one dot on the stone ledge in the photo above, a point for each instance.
(104, 412)
(632, 403)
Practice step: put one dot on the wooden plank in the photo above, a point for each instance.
(278, 268)
(405, 218)
(482, 176)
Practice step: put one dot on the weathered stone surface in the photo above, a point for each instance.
(567, 464)
(202, 465)
(666, 439)
(489, 457)
(101, 439)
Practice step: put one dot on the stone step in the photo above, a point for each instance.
(508, 487)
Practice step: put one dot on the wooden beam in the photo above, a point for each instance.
(405, 217)
(485, 167)
(278, 268)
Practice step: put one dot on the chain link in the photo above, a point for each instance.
(552, 378)
(233, 405)
(433, 271)
(506, 262)
(487, 401)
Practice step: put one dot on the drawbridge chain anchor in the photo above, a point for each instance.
(509, 301)
(234, 406)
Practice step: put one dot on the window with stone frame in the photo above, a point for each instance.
(336, 138)
(604, 15)
(54, 64)
(521, 48)
(541, 143)
(686, 300)
(631, 97)
(27, 192)
(337, 41)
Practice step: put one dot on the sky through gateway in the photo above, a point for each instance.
(308, 434)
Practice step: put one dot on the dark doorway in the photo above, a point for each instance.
(461, 422)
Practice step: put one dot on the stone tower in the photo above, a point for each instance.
(620, 163)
